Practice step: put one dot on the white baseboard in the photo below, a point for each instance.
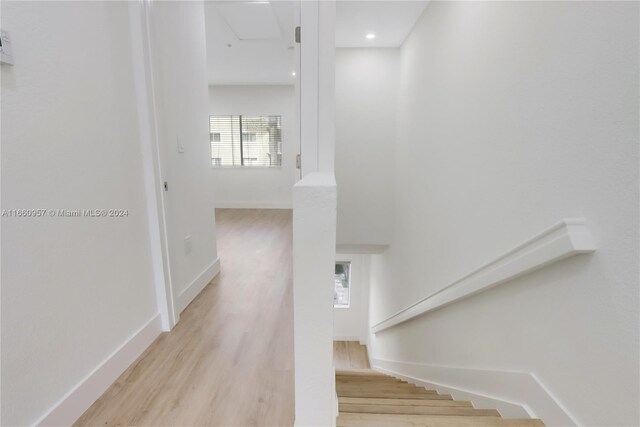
(87, 391)
(254, 205)
(346, 338)
(186, 296)
(513, 394)
(366, 249)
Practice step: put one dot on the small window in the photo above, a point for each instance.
(342, 287)
(249, 136)
(250, 161)
(246, 141)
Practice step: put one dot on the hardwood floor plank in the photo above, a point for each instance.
(229, 361)
(350, 355)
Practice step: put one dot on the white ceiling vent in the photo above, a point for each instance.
(250, 20)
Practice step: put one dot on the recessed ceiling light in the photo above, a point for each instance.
(293, 73)
(371, 36)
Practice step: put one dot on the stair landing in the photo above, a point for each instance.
(350, 355)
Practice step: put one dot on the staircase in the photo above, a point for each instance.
(371, 399)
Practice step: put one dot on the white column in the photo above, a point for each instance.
(314, 220)
(326, 85)
(309, 86)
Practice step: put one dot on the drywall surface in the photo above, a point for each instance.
(314, 230)
(74, 289)
(351, 324)
(366, 89)
(182, 111)
(316, 84)
(257, 187)
(512, 116)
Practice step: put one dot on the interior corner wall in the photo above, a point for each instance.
(74, 289)
(181, 94)
(512, 116)
(366, 90)
(257, 187)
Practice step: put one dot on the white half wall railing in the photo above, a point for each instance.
(314, 243)
(567, 238)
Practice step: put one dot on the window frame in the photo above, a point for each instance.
(241, 144)
(349, 281)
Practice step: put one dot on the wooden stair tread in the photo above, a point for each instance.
(400, 387)
(370, 375)
(371, 399)
(361, 379)
(389, 386)
(392, 394)
(403, 402)
(415, 410)
(361, 372)
(402, 420)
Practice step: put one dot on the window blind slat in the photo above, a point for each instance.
(257, 139)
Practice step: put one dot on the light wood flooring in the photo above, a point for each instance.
(350, 355)
(229, 361)
(368, 398)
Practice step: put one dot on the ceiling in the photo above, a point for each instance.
(390, 21)
(252, 42)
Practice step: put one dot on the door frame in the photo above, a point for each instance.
(140, 15)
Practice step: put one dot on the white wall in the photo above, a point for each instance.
(260, 187)
(366, 90)
(182, 114)
(78, 294)
(314, 225)
(73, 289)
(351, 324)
(511, 117)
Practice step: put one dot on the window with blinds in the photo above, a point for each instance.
(246, 141)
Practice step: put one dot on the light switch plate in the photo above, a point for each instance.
(6, 50)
